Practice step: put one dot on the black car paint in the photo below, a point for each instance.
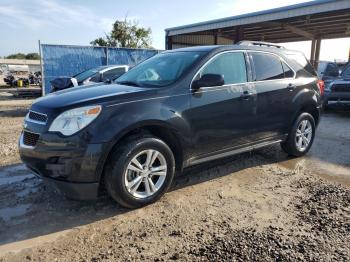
(196, 119)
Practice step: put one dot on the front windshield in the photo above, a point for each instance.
(160, 70)
(85, 74)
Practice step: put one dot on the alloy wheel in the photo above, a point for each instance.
(145, 173)
(303, 135)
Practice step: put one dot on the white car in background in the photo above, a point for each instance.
(101, 74)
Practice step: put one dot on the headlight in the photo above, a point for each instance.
(71, 121)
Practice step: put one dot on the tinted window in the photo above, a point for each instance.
(332, 69)
(113, 73)
(161, 70)
(346, 71)
(86, 74)
(288, 72)
(303, 62)
(230, 65)
(267, 67)
(95, 78)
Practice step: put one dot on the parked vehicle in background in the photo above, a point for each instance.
(177, 109)
(89, 77)
(337, 93)
(9, 79)
(341, 65)
(32, 79)
(328, 72)
(35, 78)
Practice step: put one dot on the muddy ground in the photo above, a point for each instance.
(261, 206)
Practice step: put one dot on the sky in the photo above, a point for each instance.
(78, 22)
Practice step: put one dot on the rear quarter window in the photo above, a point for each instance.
(301, 60)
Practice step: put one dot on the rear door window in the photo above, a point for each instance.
(230, 65)
(267, 66)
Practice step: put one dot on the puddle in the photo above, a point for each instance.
(12, 169)
(13, 179)
(27, 191)
(14, 174)
(328, 171)
(9, 213)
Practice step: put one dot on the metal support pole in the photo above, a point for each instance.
(312, 55)
(239, 34)
(215, 38)
(317, 52)
(168, 42)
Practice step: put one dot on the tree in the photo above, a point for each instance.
(126, 33)
(33, 56)
(17, 56)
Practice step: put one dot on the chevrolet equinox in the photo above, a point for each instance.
(179, 108)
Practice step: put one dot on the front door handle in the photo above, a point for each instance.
(246, 95)
(291, 87)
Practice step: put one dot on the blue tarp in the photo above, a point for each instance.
(66, 61)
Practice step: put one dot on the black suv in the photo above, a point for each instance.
(179, 108)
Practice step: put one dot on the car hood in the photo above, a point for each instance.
(84, 95)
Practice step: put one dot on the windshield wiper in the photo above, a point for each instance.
(128, 83)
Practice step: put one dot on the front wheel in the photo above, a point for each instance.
(140, 172)
(301, 136)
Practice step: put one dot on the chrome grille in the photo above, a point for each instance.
(38, 117)
(30, 139)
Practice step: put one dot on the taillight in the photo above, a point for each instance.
(320, 85)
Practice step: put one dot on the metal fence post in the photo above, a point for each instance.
(106, 55)
(42, 70)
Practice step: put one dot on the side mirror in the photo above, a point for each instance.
(208, 80)
(108, 81)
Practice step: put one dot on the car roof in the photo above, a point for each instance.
(219, 48)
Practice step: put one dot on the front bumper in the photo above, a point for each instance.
(337, 99)
(74, 171)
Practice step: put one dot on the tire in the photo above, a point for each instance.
(292, 145)
(123, 172)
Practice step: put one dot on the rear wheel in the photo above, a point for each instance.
(301, 136)
(140, 172)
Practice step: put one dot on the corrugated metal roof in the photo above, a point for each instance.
(308, 8)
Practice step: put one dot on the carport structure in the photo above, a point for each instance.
(315, 20)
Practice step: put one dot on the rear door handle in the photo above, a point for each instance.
(246, 95)
(291, 87)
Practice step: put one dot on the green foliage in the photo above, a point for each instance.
(126, 34)
(33, 56)
(17, 56)
(30, 56)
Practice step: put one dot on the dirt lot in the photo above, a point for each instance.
(259, 206)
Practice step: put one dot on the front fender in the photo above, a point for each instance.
(119, 120)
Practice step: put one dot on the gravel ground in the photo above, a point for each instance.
(260, 206)
(12, 112)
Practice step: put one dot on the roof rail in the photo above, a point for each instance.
(258, 43)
